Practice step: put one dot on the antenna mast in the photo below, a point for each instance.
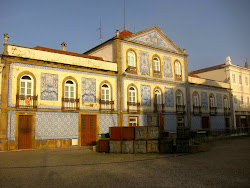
(124, 15)
(100, 28)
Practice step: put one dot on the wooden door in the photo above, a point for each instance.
(25, 132)
(227, 123)
(205, 122)
(88, 130)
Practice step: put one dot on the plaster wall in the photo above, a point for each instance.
(106, 52)
(219, 75)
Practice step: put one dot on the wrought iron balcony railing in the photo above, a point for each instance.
(196, 110)
(70, 104)
(133, 107)
(213, 111)
(180, 109)
(26, 101)
(227, 112)
(106, 105)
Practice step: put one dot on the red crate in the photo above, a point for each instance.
(115, 133)
(103, 145)
(128, 133)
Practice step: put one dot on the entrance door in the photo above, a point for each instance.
(88, 130)
(25, 132)
(205, 122)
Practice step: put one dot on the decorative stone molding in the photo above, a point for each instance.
(6, 37)
(1, 68)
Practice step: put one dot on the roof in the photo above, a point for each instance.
(207, 69)
(193, 75)
(67, 53)
(125, 33)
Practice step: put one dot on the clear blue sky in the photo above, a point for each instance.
(210, 30)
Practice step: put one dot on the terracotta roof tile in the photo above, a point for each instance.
(193, 75)
(67, 53)
(125, 33)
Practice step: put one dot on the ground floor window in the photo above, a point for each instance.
(133, 121)
(180, 122)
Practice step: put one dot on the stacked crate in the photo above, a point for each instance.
(131, 140)
(182, 141)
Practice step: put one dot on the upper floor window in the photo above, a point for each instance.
(211, 101)
(131, 59)
(105, 102)
(240, 80)
(235, 99)
(69, 90)
(26, 86)
(177, 69)
(132, 94)
(246, 80)
(233, 75)
(158, 96)
(195, 99)
(241, 100)
(156, 64)
(179, 98)
(225, 100)
(247, 100)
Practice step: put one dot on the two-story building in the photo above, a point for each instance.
(56, 98)
(238, 79)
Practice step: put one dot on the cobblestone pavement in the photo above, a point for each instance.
(226, 164)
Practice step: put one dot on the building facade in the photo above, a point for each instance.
(55, 98)
(238, 79)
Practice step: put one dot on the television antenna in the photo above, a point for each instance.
(100, 29)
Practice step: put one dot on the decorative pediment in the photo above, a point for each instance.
(153, 38)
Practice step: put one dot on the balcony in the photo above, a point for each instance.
(106, 105)
(26, 101)
(157, 72)
(213, 111)
(196, 110)
(158, 108)
(180, 109)
(131, 69)
(70, 104)
(133, 107)
(227, 112)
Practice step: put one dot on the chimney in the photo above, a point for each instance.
(228, 61)
(184, 50)
(117, 33)
(246, 65)
(63, 45)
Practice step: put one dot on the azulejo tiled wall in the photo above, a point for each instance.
(145, 95)
(88, 90)
(169, 97)
(167, 66)
(11, 121)
(56, 125)
(170, 122)
(219, 101)
(106, 121)
(217, 122)
(204, 100)
(144, 63)
(49, 86)
(195, 122)
(153, 38)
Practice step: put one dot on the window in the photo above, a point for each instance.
(179, 100)
(133, 121)
(105, 96)
(158, 96)
(195, 99)
(225, 102)
(26, 86)
(132, 95)
(177, 69)
(180, 122)
(156, 64)
(234, 81)
(69, 100)
(131, 59)
(69, 91)
(235, 99)
(247, 100)
(246, 80)
(132, 99)
(211, 101)
(241, 100)
(240, 81)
